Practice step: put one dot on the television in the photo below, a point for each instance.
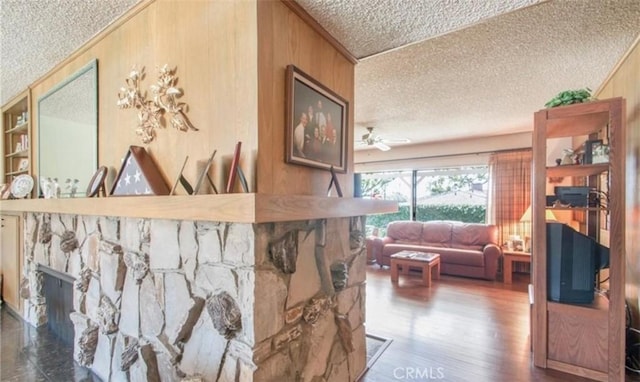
(573, 262)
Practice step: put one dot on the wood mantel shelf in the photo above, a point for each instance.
(238, 208)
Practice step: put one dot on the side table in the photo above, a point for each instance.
(508, 258)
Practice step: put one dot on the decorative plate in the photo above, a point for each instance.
(22, 186)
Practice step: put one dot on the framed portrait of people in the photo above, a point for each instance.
(316, 134)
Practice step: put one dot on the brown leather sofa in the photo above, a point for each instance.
(465, 249)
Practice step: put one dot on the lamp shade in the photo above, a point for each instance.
(526, 217)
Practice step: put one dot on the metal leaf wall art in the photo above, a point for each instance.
(164, 95)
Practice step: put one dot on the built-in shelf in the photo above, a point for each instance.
(19, 154)
(239, 208)
(598, 307)
(17, 172)
(15, 121)
(577, 170)
(578, 209)
(18, 128)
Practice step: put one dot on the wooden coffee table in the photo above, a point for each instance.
(508, 258)
(428, 262)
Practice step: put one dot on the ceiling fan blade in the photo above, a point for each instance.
(395, 140)
(381, 146)
(360, 143)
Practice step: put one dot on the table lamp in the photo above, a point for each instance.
(526, 218)
(548, 214)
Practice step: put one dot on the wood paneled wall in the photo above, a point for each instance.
(214, 46)
(625, 82)
(285, 38)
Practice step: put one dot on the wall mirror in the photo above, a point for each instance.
(68, 132)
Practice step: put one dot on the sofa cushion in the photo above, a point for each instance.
(405, 231)
(461, 256)
(436, 234)
(473, 236)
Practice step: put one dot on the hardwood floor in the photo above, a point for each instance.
(458, 330)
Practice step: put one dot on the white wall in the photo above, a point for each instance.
(463, 152)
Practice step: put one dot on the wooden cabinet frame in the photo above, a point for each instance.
(600, 351)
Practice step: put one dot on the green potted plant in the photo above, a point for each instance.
(569, 97)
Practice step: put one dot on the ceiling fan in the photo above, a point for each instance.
(371, 139)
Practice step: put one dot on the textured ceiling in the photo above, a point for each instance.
(368, 27)
(36, 35)
(489, 78)
(430, 70)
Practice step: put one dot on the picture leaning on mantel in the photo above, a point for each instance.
(316, 134)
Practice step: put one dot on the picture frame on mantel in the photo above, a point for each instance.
(316, 130)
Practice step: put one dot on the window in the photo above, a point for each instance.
(452, 194)
(458, 193)
(396, 186)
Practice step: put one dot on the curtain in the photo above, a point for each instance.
(510, 193)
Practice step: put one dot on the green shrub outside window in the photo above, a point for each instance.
(457, 212)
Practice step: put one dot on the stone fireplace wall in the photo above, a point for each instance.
(169, 300)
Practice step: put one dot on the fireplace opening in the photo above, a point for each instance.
(58, 294)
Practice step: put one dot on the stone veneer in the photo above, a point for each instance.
(168, 300)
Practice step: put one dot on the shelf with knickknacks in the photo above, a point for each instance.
(599, 183)
(16, 131)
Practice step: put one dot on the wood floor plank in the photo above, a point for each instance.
(458, 330)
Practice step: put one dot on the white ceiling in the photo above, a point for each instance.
(36, 35)
(438, 70)
(429, 70)
(489, 78)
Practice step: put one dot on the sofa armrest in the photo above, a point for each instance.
(377, 244)
(387, 240)
(491, 254)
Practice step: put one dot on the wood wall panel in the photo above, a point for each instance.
(284, 38)
(623, 82)
(214, 46)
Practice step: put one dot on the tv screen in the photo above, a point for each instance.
(573, 261)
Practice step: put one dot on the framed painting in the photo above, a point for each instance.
(589, 145)
(316, 134)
